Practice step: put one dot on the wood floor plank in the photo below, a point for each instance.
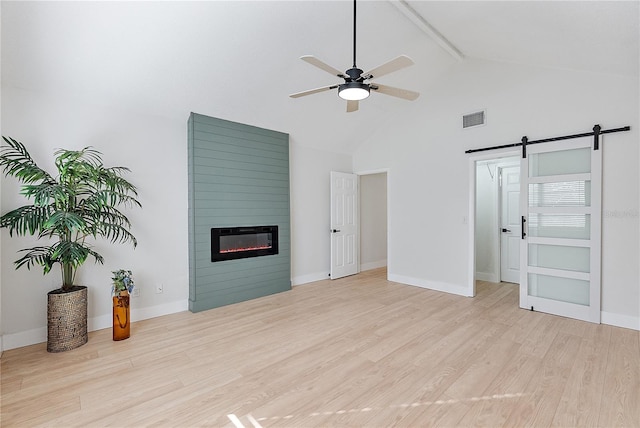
(620, 406)
(483, 370)
(496, 403)
(355, 352)
(537, 406)
(581, 399)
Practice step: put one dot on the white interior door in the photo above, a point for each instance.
(561, 208)
(510, 224)
(345, 238)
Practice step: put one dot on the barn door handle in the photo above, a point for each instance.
(523, 221)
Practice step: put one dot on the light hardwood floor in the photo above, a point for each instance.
(359, 351)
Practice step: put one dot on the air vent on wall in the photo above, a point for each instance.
(473, 119)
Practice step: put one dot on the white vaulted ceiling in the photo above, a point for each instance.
(239, 60)
(580, 35)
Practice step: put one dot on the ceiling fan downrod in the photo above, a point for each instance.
(354, 34)
(354, 88)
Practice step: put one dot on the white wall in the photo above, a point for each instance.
(429, 183)
(155, 149)
(310, 210)
(373, 221)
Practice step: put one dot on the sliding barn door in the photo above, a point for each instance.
(561, 218)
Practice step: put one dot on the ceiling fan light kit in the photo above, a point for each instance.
(354, 87)
(353, 91)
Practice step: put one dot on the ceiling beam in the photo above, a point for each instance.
(427, 28)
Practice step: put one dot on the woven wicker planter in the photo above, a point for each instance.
(66, 319)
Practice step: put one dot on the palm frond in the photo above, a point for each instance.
(96, 256)
(117, 233)
(15, 160)
(41, 256)
(28, 219)
(64, 221)
(109, 198)
(70, 252)
(111, 179)
(111, 224)
(44, 193)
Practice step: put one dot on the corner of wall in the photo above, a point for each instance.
(619, 320)
(487, 276)
(431, 285)
(373, 265)
(309, 278)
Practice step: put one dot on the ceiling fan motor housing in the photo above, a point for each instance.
(354, 74)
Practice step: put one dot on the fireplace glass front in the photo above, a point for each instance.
(229, 243)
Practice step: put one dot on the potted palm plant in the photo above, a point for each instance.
(68, 211)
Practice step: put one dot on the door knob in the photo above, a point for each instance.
(506, 230)
(335, 230)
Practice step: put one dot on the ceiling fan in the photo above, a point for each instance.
(354, 87)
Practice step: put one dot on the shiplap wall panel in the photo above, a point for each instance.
(238, 176)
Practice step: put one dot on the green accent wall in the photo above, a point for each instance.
(238, 176)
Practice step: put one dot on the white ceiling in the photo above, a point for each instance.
(239, 60)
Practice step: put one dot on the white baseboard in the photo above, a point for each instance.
(24, 338)
(305, 279)
(373, 265)
(619, 320)
(39, 335)
(158, 311)
(486, 276)
(319, 276)
(431, 285)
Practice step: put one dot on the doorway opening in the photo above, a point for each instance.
(497, 220)
(373, 220)
(494, 218)
(359, 222)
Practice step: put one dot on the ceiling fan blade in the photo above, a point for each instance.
(394, 65)
(312, 91)
(395, 92)
(321, 65)
(352, 105)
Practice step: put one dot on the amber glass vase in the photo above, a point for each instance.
(121, 324)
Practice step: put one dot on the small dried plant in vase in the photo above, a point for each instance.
(122, 286)
(122, 281)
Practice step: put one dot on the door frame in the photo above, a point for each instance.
(372, 172)
(471, 217)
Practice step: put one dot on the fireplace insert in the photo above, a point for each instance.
(230, 243)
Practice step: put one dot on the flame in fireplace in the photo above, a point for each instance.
(238, 250)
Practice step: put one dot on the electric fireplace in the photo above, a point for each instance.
(230, 243)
